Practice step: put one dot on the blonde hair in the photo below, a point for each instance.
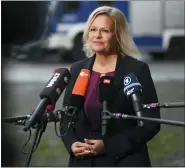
(125, 43)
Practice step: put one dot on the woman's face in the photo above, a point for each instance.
(101, 35)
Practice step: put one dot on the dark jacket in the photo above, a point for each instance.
(124, 142)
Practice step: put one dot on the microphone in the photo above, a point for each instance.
(50, 94)
(76, 100)
(80, 88)
(133, 90)
(51, 107)
(107, 92)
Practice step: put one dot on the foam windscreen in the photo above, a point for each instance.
(107, 89)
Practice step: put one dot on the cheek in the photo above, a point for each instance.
(110, 43)
(90, 35)
(110, 40)
(90, 38)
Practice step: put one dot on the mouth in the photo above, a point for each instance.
(98, 42)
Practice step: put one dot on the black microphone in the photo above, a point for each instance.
(107, 93)
(76, 102)
(133, 90)
(51, 107)
(50, 94)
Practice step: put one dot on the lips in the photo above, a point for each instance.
(98, 42)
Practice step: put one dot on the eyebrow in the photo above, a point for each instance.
(101, 28)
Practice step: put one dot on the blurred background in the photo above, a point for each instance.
(38, 36)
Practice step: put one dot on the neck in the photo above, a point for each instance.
(103, 59)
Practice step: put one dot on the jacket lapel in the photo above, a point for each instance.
(120, 71)
(89, 63)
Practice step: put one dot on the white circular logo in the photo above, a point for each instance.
(83, 74)
(127, 80)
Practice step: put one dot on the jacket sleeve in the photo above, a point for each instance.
(128, 141)
(68, 138)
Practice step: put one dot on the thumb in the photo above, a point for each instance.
(76, 144)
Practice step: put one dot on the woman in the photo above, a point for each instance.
(110, 49)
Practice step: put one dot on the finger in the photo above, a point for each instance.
(88, 147)
(78, 150)
(85, 145)
(76, 144)
(85, 152)
(80, 144)
(94, 152)
(89, 152)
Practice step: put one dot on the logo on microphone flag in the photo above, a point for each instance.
(106, 81)
(127, 80)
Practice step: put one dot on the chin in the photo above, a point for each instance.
(96, 49)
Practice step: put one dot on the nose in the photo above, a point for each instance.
(98, 34)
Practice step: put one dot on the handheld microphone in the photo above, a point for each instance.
(133, 90)
(80, 88)
(50, 94)
(107, 93)
(76, 100)
(51, 107)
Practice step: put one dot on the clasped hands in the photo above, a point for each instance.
(89, 147)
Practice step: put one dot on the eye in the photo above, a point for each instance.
(106, 31)
(92, 29)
